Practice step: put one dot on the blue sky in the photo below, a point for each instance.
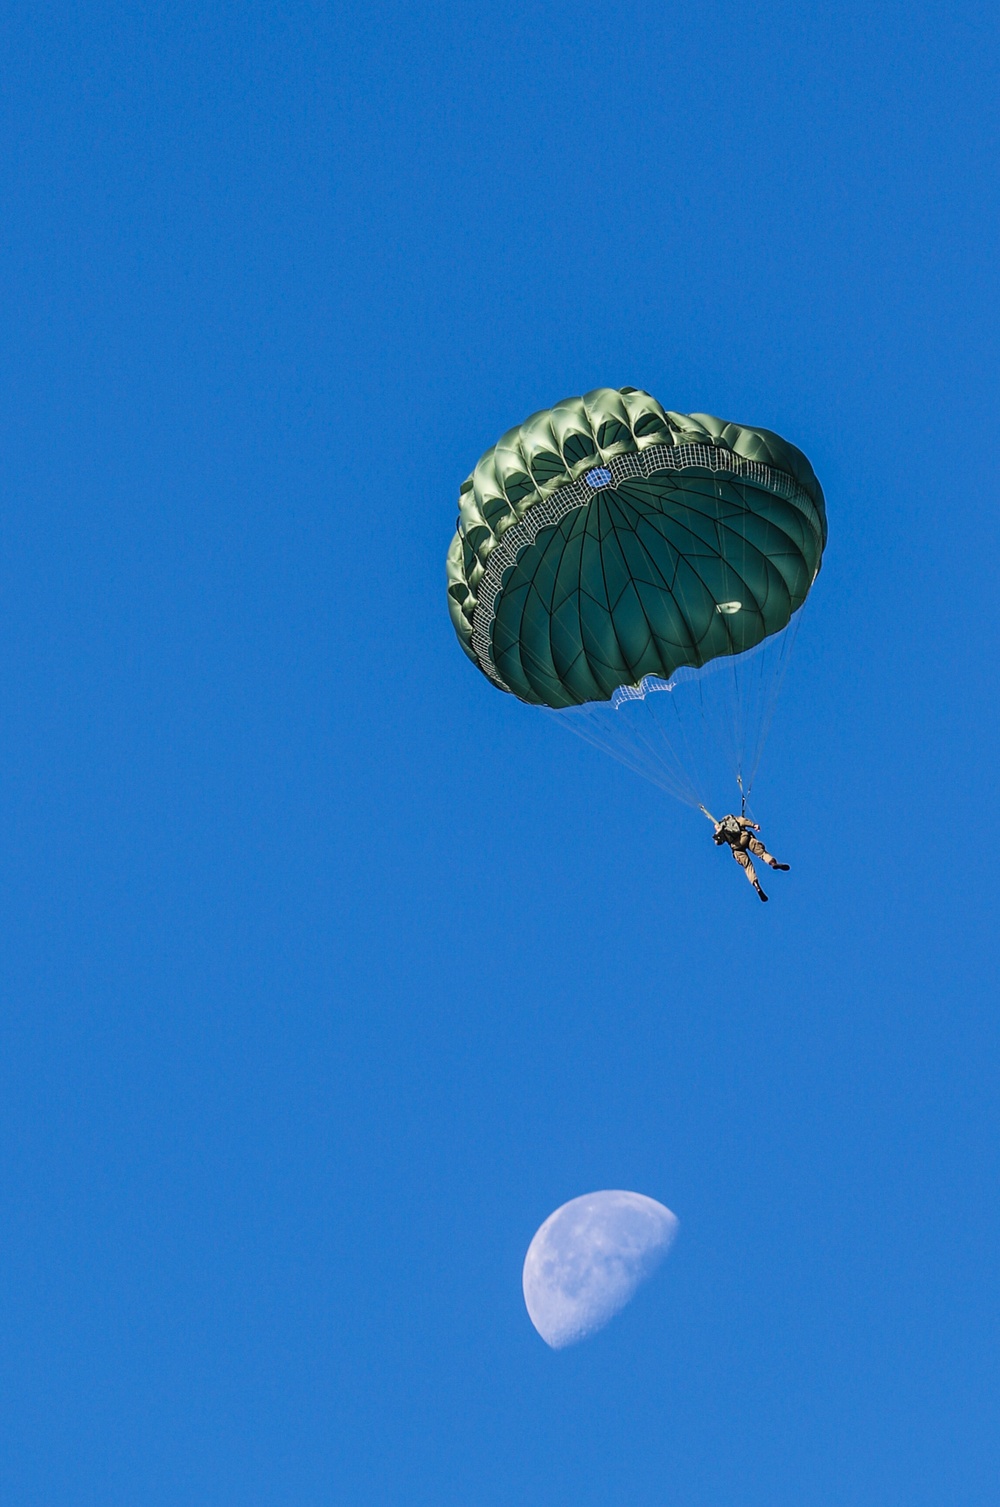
(327, 972)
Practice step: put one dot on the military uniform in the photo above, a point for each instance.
(738, 831)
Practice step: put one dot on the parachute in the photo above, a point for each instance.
(639, 573)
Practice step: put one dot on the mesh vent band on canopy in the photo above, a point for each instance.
(552, 510)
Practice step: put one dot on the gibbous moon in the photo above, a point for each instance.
(589, 1258)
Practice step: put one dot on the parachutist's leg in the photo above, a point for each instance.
(756, 846)
(743, 859)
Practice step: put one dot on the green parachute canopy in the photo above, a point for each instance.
(608, 540)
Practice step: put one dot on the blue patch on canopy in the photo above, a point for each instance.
(598, 477)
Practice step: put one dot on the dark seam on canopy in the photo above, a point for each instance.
(623, 657)
(557, 674)
(653, 637)
(670, 590)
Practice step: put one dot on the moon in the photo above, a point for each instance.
(589, 1258)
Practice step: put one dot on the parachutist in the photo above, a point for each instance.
(736, 831)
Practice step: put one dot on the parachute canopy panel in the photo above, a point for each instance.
(608, 539)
